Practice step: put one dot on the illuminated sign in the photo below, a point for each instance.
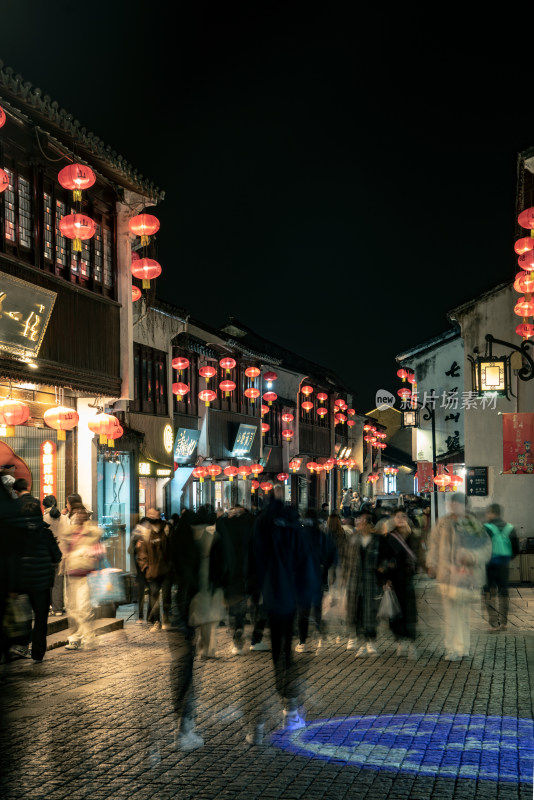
(244, 440)
(25, 311)
(144, 468)
(185, 445)
(47, 463)
(163, 473)
(167, 438)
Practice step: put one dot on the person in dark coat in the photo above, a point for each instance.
(12, 543)
(397, 567)
(152, 553)
(41, 555)
(236, 531)
(359, 577)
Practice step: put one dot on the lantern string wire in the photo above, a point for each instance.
(43, 152)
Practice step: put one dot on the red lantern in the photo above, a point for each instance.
(269, 377)
(526, 261)
(322, 397)
(266, 486)
(136, 293)
(367, 427)
(381, 445)
(252, 394)
(146, 269)
(307, 405)
(76, 178)
(327, 466)
(227, 363)
(351, 423)
(200, 472)
(287, 434)
(319, 468)
(231, 472)
(351, 412)
(525, 329)
(180, 389)
(2, 117)
(526, 218)
(144, 225)
(103, 425)
(322, 412)
(338, 403)
(180, 364)
(287, 418)
(456, 480)
(340, 419)
(294, 465)
(524, 308)
(61, 419)
(207, 372)
(403, 374)
(270, 397)
(252, 372)
(227, 387)
(244, 471)
(256, 469)
(524, 282)
(77, 227)
(524, 245)
(442, 481)
(264, 428)
(214, 470)
(264, 410)
(208, 396)
(13, 412)
(381, 435)
(312, 466)
(254, 486)
(307, 390)
(404, 393)
(4, 181)
(282, 477)
(368, 438)
(411, 378)
(115, 433)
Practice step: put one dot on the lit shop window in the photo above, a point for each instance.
(25, 214)
(48, 227)
(9, 207)
(61, 241)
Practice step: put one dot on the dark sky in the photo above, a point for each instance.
(337, 179)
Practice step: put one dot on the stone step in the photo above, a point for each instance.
(100, 626)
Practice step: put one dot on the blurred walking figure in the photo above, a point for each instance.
(236, 529)
(60, 527)
(504, 545)
(85, 553)
(346, 502)
(141, 530)
(360, 580)
(154, 561)
(458, 551)
(396, 568)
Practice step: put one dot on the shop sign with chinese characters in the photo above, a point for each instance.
(243, 440)
(25, 311)
(185, 445)
(47, 463)
(517, 437)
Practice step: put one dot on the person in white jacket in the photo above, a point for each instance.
(60, 527)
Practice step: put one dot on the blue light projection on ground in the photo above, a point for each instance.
(445, 745)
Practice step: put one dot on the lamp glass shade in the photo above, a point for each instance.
(491, 375)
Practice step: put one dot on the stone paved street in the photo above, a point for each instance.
(99, 724)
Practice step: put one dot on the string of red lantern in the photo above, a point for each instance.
(524, 282)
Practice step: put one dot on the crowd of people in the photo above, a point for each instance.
(339, 573)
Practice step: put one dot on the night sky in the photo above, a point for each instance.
(338, 180)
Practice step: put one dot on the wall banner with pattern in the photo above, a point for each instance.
(517, 438)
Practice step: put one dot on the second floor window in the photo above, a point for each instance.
(150, 381)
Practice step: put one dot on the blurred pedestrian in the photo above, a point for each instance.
(236, 529)
(458, 550)
(141, 530)
(346, 501)
(153, 558)
(7, 476)
(322, 516)
(360, 580)
(504, 546)
(59, 525)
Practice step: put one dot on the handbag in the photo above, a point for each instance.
(17, 621)
(389, 607)
(106, 586)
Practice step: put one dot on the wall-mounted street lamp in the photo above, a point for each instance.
(410, 418)
(491, 375)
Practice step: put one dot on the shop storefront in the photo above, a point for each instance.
(155, 465)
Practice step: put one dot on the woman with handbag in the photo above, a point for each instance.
(84, 555)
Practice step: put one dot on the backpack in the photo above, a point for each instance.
(501, 545)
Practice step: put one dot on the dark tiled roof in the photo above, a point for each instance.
(39, 107)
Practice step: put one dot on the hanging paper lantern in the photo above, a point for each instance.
(287, 418)
(77, 227)
(307, 390)
(270, 397)
(214, 470)
(252, 372)
(411, 378)
(442, 481)
(200, 473)
(4, 181)
(312, 466)
(524, 245)
(381, 445)
(319, 468)
(13, 412)
(367, 427)
(227, 363)
(294, 465)
(266, 486)
(525, 329)
(252, 394)
(144, 225)
(368, 438)
(180, 364)
(264, 410)
(269, 377)
(322, 412)
(402, 374)
(524, 308)
(342, 406)
(227, 387)
(351, 412)
(338, 403)
(322, 397)
(76, 178)
(180, 389)
(244, 471)
(394, 470)
(327, 467)
(146, 270)
(61, 419)
(381, 435)
(115, 433)
(207, 373)
(264, 428)
(307, 405)
(404, 393)
(352, 463)
(136, 293)
(287, 434)
(526, 218)
(208, 396)
(456, 480)
(256, 469)
(2, 117)
(282, 477)
(231, 472)
(339, 419)
(103, 425)
(524, 282)
(254, 486)
(526, 261)
(351, 423)
(373, 429)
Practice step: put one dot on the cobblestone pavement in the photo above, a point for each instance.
(99, 724)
